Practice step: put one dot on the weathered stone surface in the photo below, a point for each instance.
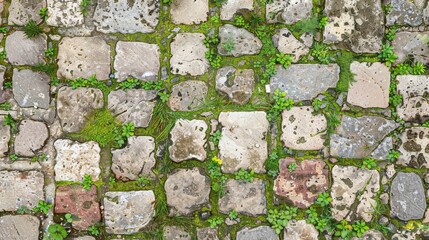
(74, 160)
(187, 190)
(22, 11)
(4, 137)
(304, 184)
(83, 57)
(261, 232)
(353, 193)
(305, 81)
(412, 44)
(128, 212)
(407, 197)
(135, 160)
(134, 105)
(370, 87)
(189, 11)
(302, 130)
(371, 235)
(358, 137)
(39, 114)
(300, 230)
(230, 7)
(243, 41)
(414, 91)
(64, 13)
(19, 227)
(188, 96)
(243, 143)
(352, 26)
(83, 204)
(207, 234)
(136, 59)
(286, 43)
(31, 138)
(175, 233)
(237, 84)
(31, 89)
(246, 198)
(25, 51)
(85, 238)
(189, 140)
(404, 12)
(126, 16)
(2, 72)
(383, 149)
(20, 189)
(188, 54)
(75, 105)
(413, 148)
(288, 11)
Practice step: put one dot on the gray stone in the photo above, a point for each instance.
(305, 81)
(132, 106)
(20, 189)
(230, 7)
(207, 234)
(75, 106)
(415, 106)
(22, 11)
(135, 160)
(74, 160)
(300, 230)
(413, 145)
(243, 143)
(126, 16)
(286, 43)
(31, 89)
(358, 137)
(189, 11)
(370, 235)
(188, 54)
(40, 114)
(407, 197)
(4, 137)
(31, 138)
(404, 12)
(19, 227)
(187, 190)
(246, 198)
(136, 59)
(2, 72)
(128, 212)
(412, 44)
(288, 11)
(236, 84)
(383, 149)
(175, 233)
(25, 51)
(188, 96)
(257, 233)
(189, 140)
(64, 13)
(243, 42)
(83, 57)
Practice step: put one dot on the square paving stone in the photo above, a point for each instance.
(21, 50)
(415, 105)
(22, 11)
(187, 96)
(31, 137)
(189, 11)
(19, 227)
(189, 140)
(31, 89)
(65, 13)
(188, 54)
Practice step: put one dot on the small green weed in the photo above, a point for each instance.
(323, 199)
(6, 106)
(245, 175)
(43, 13)
(164, 96)
(386, 55)
(94, 231)
(91, 82)
(8, 121)
(215, 137)
(228, 45)
(291, 167)
(215, 221)
(87, 182)
(369, 163)
(32, 29)
(360, 227)
(42, 207)
(123, 133)
(84, 6)
(233, 215)
(273, 164)
(68, 217)
(284, 59)
(280, 218)
(320, 52)
(13, 157)
(56, 232)
(3, 55)
(393, 155)
(280, 103)
(217, 178)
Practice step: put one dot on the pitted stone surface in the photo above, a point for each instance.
(237, 84)
(207, 234)
(288, 11)
(413, 147)
(286, 43)
(4, 137)
(243, 143)
(231, 7)
(414, 91)
(299, 229)
(243, 41)
(23, 11)
(25, 51)
(31, 89)
(261, 232)
(64, 13)
(404, 12)
(175, 233)
(188, 96)
(189, 140)
(19, 227)
(31, 138)
(189, 11)
(188, 54)
(412, 44)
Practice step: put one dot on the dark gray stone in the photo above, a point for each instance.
(404, 12)
(22, 50)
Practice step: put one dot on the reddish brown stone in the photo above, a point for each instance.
(79, 202)
(302, 185)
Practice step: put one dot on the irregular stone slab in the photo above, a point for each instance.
(135, 160)
(189, 140)
(237, 84)
(304, 184)
(286, 43)
(20, 189)
(136, 59)
(19, 227)
(4, 137)
(189, 11)
(74, 199)
(305, 81)
(132, 106)
(188, 96)
(64, 13)
(31, 89)
(74, 160)
(126, 16)
(207, 234)
(352, 26)
(383, 149)
(246, 198)
(371, 235)
(302, 130)
(407, 197)
(31, 138)
(188, 54)
(353, 193)
(358, 137)
(75, 106)
(83, 57)
(175, 233)
(300, 230)
(261, 232)
(370, 88)
(25, 51)
(187, 190)
(230, 7)
(414, 92)
(243, 143)
(404, 12)
(412, 44)
(128, 212)
(44, 115)
(413, 148)
(22, 11)
(287, 11)
(243, 41)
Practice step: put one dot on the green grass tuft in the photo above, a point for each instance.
(346, 76)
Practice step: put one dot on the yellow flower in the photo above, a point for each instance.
(217, 160)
